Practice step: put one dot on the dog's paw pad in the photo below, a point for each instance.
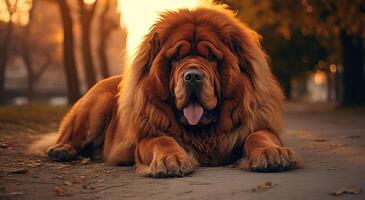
(172, 165)
(62, 153)
(272, 159)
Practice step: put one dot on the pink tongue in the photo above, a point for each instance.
(193, 112)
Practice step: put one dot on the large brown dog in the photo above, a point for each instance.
(199, 92)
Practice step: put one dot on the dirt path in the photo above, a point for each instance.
(332, 144)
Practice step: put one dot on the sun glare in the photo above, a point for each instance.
(89, 2)
(139, 15)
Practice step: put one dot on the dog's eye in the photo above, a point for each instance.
(211, 56)
(176, 56)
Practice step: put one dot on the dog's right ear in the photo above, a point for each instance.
(154, 48)
(146, 53)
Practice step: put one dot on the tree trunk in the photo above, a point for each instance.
(4, 51)
(103, 54)
(30, 72)
(105, 31)
(27, 54)
(286, 86)
(68, 54)
(353, 73)
(86, 16)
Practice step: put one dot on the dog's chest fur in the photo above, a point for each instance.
(217, 149)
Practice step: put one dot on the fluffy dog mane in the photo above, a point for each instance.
(260, 106)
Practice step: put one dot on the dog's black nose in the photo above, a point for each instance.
(193, 77)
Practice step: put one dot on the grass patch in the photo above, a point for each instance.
(33, 118)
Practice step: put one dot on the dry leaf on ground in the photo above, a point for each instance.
(320, 140)
(16, 193)
(262, 186)
(67, 183)
(85, 161)
(18, 171)
(354, 136)
(4, 145)
(265, 185)
(59, 191)
(342, 191)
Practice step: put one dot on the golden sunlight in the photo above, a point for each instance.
(139, 15)
(89, 1)
(18, 9)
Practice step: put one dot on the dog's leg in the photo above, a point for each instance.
(265, 153)
(163, 157)
(83, 129)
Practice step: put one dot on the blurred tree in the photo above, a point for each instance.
(341, 22)
(4, 49)
(69, 54)
(338, 23)
(26, 52)
(106, 24)
(291, 57)
(38, 53)
(292, 53)
(87, 10)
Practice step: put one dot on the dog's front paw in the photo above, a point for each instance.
(171, 165)
(62, 153)
(272, 159)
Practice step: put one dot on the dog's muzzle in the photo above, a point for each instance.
(193, 79)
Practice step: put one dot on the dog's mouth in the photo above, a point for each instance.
(194, 114)
(195, 99)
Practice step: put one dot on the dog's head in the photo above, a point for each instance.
(204, 66)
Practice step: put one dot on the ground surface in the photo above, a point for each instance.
(331, 142)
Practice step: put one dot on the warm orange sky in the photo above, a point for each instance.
(139, 15)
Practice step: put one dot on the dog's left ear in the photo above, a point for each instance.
(236, 46)
(262, 101)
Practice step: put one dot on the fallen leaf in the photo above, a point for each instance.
(18, 171)
(354, 136)
(261, 187)
(59, 191)
(178, 194)
(200, 183)
(67, 183)
(16, 193)
(34, 164)
(265, 185)
(85, 161)
(4, 145)
(320, 140)
(342, 191)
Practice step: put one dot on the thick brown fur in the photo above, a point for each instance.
(133, 119)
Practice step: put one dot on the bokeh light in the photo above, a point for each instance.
(89, 2)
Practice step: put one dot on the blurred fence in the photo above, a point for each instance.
(44, 88)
